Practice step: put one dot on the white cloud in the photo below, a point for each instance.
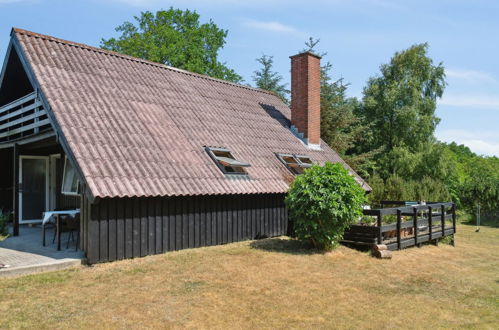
(272, 26)
(269, 26)
(476, 101)
(481, 142)
(471, 76)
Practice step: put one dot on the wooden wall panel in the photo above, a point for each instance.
(112, 234)
(6, 179)
(170, 214)
(168, 220)
(128, 219)
(151, 226)
(92, 249)
(136, 242)
(131, 227)
(158, 219)
(120, 231)
(144, 226)
(103, 231)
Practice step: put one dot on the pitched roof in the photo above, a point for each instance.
(138, 128)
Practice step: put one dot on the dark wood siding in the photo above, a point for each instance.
(6, 179)
(122, 228)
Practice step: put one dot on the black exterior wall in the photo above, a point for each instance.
(120, 228)
(6, 179)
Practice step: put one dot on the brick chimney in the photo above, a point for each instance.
(305, 97)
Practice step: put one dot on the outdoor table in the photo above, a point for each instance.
(47, 218)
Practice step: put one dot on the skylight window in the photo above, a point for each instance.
(227, 163)
(295, 163)
(70, 182)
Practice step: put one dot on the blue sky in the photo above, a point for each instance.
(358, 35)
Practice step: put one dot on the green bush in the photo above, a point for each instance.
(4, 218)
(323, 202)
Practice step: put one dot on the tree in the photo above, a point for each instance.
(475, 179)
(341, 128)
(176, 38)
(481, 184)
(310, 46)
(397, 188)
(399, 105)
(269, 80)
(323, 202)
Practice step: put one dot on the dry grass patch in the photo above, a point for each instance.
(274, 283)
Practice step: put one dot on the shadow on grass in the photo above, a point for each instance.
(290, 246)
(357, 247)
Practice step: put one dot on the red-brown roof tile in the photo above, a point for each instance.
(138, 128)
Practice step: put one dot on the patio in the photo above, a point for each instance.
(24, 254)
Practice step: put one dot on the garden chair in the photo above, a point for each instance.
(70, 225)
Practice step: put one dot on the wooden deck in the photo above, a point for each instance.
(414, 224)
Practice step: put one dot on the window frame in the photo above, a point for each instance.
(305, 164)
(216, 159)
(297, 160)
(70, 193)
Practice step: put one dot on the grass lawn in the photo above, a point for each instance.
(274, 283)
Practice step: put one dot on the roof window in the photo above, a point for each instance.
(295, 163)
(227, 163)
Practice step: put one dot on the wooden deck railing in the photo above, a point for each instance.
(413, 224)
(22, 117)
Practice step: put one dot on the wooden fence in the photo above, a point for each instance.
(408, 225)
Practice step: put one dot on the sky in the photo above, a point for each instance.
(358, 36)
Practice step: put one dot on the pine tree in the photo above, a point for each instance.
(270, 80)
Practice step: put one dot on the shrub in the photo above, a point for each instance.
(323, 202)
(4, 218)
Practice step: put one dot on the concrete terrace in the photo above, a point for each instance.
(24, 254)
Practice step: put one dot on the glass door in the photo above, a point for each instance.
(33, 188)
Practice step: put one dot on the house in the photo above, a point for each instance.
(156, 158)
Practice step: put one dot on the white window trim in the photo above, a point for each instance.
(69, 193)
(298, 163)
(218, 161)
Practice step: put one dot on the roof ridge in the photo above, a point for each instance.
(136, 59)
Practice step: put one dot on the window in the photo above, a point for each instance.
(226, 162)
(70, 182)
(304, 160)
(295, 163)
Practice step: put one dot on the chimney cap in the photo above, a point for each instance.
(307, 52)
